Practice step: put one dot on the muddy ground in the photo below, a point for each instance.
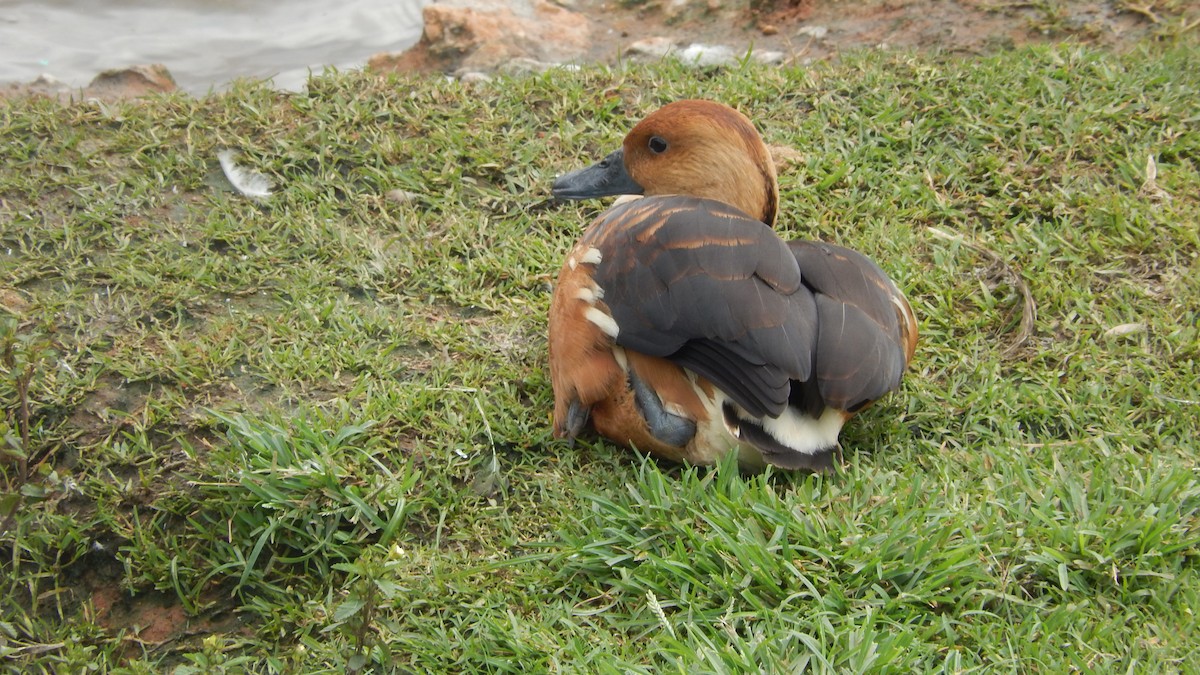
(808, 30)
(821, 29)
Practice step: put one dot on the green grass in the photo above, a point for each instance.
(311, 434)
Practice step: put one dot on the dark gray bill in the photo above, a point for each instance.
(604, 178)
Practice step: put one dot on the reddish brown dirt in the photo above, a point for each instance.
(820, 29)
(803, 30)
(150, 620)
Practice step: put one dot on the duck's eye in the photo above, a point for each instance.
(657, 144)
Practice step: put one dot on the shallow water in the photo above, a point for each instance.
(204, 43)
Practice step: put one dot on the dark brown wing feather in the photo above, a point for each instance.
(704, 285)
(700, 283)
(861, 350)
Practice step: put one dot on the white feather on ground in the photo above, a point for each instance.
(246, 181)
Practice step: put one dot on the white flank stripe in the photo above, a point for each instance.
(603, 321)
(622, 360)
(587, 295)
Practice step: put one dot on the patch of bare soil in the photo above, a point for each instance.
(802, 30)
(149, 621)
(821, 29)
(156, 621)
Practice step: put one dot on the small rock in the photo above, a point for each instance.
(131, 82)
(673, 8)
(474, 77)
(49, 81)
(525, 66)
(653, 47)
(814, 32)
(401, 196)
(706, 55)
(768, 29)
(684, 10)
(44, 85)
(785, 157)
(768, 57)
(720, 55)
(464, 36)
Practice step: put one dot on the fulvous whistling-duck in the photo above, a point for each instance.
(682, 325)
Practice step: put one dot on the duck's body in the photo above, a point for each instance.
(683, 326)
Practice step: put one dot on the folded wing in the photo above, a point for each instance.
(700, 283)
(867, 332)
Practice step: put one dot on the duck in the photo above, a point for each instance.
(682, 325)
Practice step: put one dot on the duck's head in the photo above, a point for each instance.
(697, 148)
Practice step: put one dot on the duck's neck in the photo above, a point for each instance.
(769, 210)
(752, 187)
